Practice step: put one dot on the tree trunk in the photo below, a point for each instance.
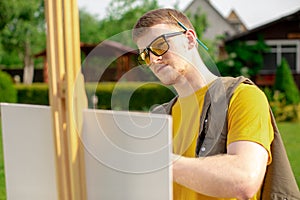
(28, 65)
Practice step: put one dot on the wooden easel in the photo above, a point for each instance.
(67, 96)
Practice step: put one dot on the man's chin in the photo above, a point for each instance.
(167, 82)
(168, 79)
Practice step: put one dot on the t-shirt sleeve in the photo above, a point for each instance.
(249, 117)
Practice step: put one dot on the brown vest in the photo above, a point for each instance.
(279, 182)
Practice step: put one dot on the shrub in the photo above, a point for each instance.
(111, 96)
(8, 92)
(243, 58)
(281, 110)
(128, 95)
(268, 92)
(285, 83)
(36, 93)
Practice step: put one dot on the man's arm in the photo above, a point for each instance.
(237, 174)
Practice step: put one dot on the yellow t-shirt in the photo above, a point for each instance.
(248, 119)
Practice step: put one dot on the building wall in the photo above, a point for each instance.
(217, 25)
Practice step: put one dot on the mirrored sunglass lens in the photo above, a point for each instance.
(142, 55)
(140, 60)
(159, 46)
(143, 58)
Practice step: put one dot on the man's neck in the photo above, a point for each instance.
(192, 82)
(196, 77)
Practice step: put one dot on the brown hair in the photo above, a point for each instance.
(159, 16)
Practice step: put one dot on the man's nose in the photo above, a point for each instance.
(154, 58)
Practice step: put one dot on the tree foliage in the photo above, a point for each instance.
(122, 15)
(243, 59)
(22, 31)
(285, 83)
(7, 12)
(89, 27)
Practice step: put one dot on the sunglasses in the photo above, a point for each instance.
(159, 46)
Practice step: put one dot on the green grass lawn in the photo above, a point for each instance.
(2, 176)
(289, 131)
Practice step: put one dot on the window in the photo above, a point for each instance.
(279, 49)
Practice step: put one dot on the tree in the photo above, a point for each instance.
(244, 59)
(285, 83)
(122, 15)
(7, 12)
(89, 27)
(24, 33)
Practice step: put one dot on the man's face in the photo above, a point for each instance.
(170, 66)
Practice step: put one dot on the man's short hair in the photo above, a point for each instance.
(159, 16)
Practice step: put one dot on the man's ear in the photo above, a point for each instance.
(191, 36)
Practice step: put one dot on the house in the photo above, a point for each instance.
(217, 24)
(106, 61)
(234, 19)
(283, 38)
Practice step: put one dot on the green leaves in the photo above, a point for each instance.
(24, 27)
(90, 31)
(7, 90)
(243, 58)
(285, 83)
(123, 14)
(6, 14)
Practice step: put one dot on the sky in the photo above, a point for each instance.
(253, 13)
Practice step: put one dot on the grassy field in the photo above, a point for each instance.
(289, 131)
(2, 176)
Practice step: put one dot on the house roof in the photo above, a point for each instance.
(250, 34)
(234, 19)
(208, 3)
(217, 24)
(106, 48)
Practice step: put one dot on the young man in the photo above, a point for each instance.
(169, 46)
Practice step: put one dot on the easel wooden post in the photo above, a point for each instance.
(67, 96)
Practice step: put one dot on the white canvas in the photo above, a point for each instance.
(28, 146)
(127, 154)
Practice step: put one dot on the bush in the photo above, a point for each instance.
(128, 95)
(283, 111)
(36, 93)
(243, 58)
(285, 83)
(284, 97)
(110, 95)
(8, 92)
